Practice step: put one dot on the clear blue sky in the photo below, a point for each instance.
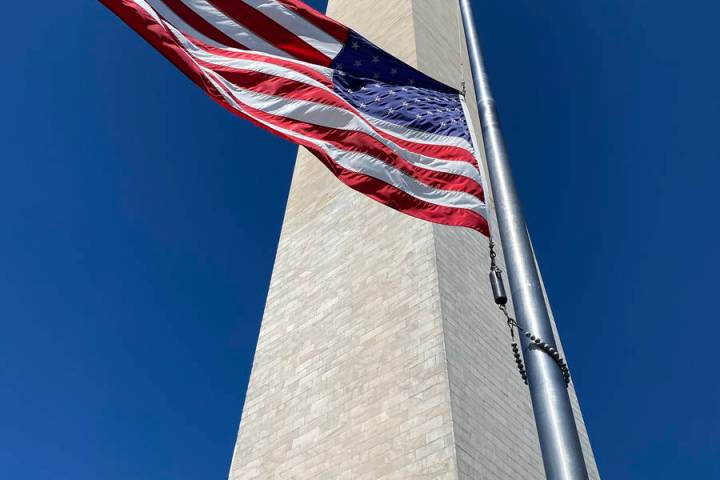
(138, 227)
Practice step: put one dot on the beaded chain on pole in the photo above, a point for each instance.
(500, 296)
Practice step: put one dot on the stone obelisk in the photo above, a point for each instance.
(381, 353)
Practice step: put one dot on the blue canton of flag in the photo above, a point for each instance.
(380, 85)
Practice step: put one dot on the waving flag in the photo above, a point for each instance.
(382, 127)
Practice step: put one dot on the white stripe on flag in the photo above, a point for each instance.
(231, 28)
(299, 26)
(373, 167)
(254, 65)
(150, 10)
(178, 22)
(413, 135)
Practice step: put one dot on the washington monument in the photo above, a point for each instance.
(381, 353)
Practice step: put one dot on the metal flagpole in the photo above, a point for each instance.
(559, 441)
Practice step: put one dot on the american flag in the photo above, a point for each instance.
(381, 127)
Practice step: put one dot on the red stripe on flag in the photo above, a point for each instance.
(200, 24)
(446, 152)
(397, 199)
(273, 32)
(283, 87)
(160, 38)
(252, 55)
(328, 25)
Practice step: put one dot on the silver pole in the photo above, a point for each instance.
(559, 441)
